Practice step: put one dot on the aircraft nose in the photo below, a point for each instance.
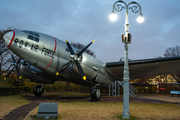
(8, 38)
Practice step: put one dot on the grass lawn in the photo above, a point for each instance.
(113, 111)
(8, 103)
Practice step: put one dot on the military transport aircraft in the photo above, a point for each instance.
(48, 59)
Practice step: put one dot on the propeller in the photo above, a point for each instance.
(75, 59)
(15, 64)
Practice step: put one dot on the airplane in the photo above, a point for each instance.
(48, 59)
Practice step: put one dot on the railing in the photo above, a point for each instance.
(132, 90)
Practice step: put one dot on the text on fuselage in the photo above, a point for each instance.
(33, 47)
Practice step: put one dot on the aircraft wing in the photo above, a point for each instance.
(145, 68)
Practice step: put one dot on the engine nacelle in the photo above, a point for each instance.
(90, 66)
(34, 74)
(93, 69)
(40, 79)
(102, 79)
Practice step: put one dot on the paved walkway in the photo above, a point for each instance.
(21, 112)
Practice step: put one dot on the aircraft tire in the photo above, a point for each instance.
(95, 94)
(37, 92)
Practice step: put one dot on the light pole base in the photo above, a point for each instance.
(126, 115)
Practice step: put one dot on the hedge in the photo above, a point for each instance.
(12, 90)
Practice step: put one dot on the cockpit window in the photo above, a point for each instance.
(37, 35)
(24, 31)
(32, 35)
(36, 39)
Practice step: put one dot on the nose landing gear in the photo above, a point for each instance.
(38, 90)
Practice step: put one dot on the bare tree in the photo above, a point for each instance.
(81, 46)
(5, 59)
(172, 52)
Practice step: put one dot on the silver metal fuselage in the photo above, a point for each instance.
(48, 54)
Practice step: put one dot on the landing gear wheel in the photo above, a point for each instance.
(38, 90)
(95, 94)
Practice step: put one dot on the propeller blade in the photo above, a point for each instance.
(70, 48)
(64, 67)
(19, 60)
(84, 49)
(9, 73)
(80, 70)
(73, 56)
(14, 61)
(17, 70)
(16, 65)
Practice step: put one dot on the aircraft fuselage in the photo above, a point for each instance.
(48, 55)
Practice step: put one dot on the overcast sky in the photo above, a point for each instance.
(85, 20)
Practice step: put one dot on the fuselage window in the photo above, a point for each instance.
(67, 49)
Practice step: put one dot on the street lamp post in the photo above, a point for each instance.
(119, 6)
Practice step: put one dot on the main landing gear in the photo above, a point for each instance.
(95, 93)
(38, 90)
